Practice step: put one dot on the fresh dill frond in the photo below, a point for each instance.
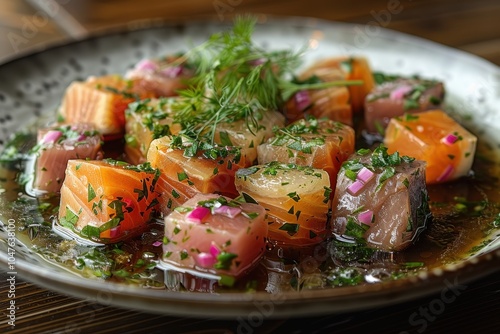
(289, 88)
(234, 80)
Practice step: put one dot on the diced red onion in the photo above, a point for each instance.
(399, 93)
(302, 100)
(365, 175)
(172, 71)
(128, 202)
(446, 173)
(157, 243)
(355, 187)
(51, 136)
(197, 215)
(214, 250)
(227, 211)
(146, 65)
(366, 217)
(81, 137)
(206, 260)
(449, 139)
(114, 232)
(257, 62)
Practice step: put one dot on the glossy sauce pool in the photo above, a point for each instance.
(464, 212)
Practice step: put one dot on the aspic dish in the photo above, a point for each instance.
(283, 270)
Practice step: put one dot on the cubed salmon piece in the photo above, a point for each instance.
(331, 103)
(108, 201)
(318, 143)
(349, 68)
(248, 136)
(101, 101)
(395, 98)
(162, 77)
(147, 120)
(214, 234)
(381, 197)
(205, 172)
(297, 199)
(435, 137)
(56, 145)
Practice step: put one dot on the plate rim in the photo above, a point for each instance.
(304, 303)
(471, 267)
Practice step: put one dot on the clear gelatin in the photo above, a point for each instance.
(296, 198)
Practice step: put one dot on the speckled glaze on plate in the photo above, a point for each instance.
(33, 86)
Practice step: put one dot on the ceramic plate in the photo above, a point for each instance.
(32, 87)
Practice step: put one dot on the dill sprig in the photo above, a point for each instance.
(292, 136)
(234, 80)
(289, 88)
(227, 57)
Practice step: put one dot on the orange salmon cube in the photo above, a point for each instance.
(318, 143)
(100, 101)
(108, 201)
(436, 138)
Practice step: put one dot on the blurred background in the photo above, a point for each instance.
(473, 26)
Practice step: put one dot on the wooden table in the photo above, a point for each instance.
(475, 310)
(472, 26)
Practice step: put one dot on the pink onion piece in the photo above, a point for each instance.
(172, 72)
(206, 260)
(51, 137)
(157, 243)
(197, 215)
(399, 93)
(81, 137)
(365, 175)
(227, 211)
(146, 65)
(257, 62)
(115, 232)
(366, 217)
(355, 188)
(302, 100)
(446, 173)
(127, 201)
(449, 139)
(214, 250)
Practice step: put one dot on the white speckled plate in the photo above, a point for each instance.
(33, 86)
